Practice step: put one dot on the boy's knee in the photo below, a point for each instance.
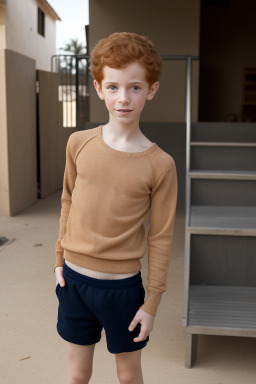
(79, 375)
(129, 377)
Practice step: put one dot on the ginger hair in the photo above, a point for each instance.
(122, 48)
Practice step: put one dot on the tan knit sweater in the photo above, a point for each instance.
(106, 196)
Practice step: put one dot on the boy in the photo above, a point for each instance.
(113, 175)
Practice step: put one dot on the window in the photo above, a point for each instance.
(41, 22)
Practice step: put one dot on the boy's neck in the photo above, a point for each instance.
(123, 132)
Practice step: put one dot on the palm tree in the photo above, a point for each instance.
(74, 47)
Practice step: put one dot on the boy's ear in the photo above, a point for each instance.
(98, 89)
(152, 90)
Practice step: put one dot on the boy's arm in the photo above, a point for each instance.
(68, 186)
(160, 235)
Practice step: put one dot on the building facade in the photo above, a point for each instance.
(29, 28)
(27, 42)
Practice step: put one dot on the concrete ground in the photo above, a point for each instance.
(31, 350)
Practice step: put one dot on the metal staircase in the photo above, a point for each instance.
(220, 234)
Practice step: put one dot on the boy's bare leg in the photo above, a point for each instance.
(80, 359)
(128, 366)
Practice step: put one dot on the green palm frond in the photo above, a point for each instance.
(74, 47)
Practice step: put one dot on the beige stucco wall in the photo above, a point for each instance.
(18, 163)
(174, 28)
(2, 26)
(4, 171)
(22, 36)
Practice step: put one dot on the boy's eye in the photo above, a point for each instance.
(135, 88)
(112, 87)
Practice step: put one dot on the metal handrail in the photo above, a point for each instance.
(188, 59)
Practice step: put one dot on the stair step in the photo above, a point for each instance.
(223, 132)
(227, 175)
(232, 220)
(221, 144)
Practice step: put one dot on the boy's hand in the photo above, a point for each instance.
(146, 320)
(59, 276)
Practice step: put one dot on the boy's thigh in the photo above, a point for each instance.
(80, 355)
(128, 366)
(116, 309)
(128, 359)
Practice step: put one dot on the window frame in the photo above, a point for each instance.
(40, 22)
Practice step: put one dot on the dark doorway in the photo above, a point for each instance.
(227, 48)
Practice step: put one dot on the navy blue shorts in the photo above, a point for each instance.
(86, 305)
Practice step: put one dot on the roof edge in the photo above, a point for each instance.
(49, 9)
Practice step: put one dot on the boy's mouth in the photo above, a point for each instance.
(124, 110)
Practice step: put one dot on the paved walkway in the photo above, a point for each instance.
(31, 352)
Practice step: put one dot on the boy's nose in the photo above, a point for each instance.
(124, 96)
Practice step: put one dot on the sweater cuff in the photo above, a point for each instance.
(152, 302)
(59, 259)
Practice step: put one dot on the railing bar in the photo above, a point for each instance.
(70, 89)
(187, 188)
(66, 109)
(165, 57)
(61, 81)
(188, 132)
(77, 90)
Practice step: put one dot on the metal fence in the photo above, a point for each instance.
(74, 88)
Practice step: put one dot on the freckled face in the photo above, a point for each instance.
(125, 91)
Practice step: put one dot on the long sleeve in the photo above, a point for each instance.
(69, 178)
(160, 235)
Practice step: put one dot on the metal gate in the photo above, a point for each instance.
(73, 89)
(51, 136)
